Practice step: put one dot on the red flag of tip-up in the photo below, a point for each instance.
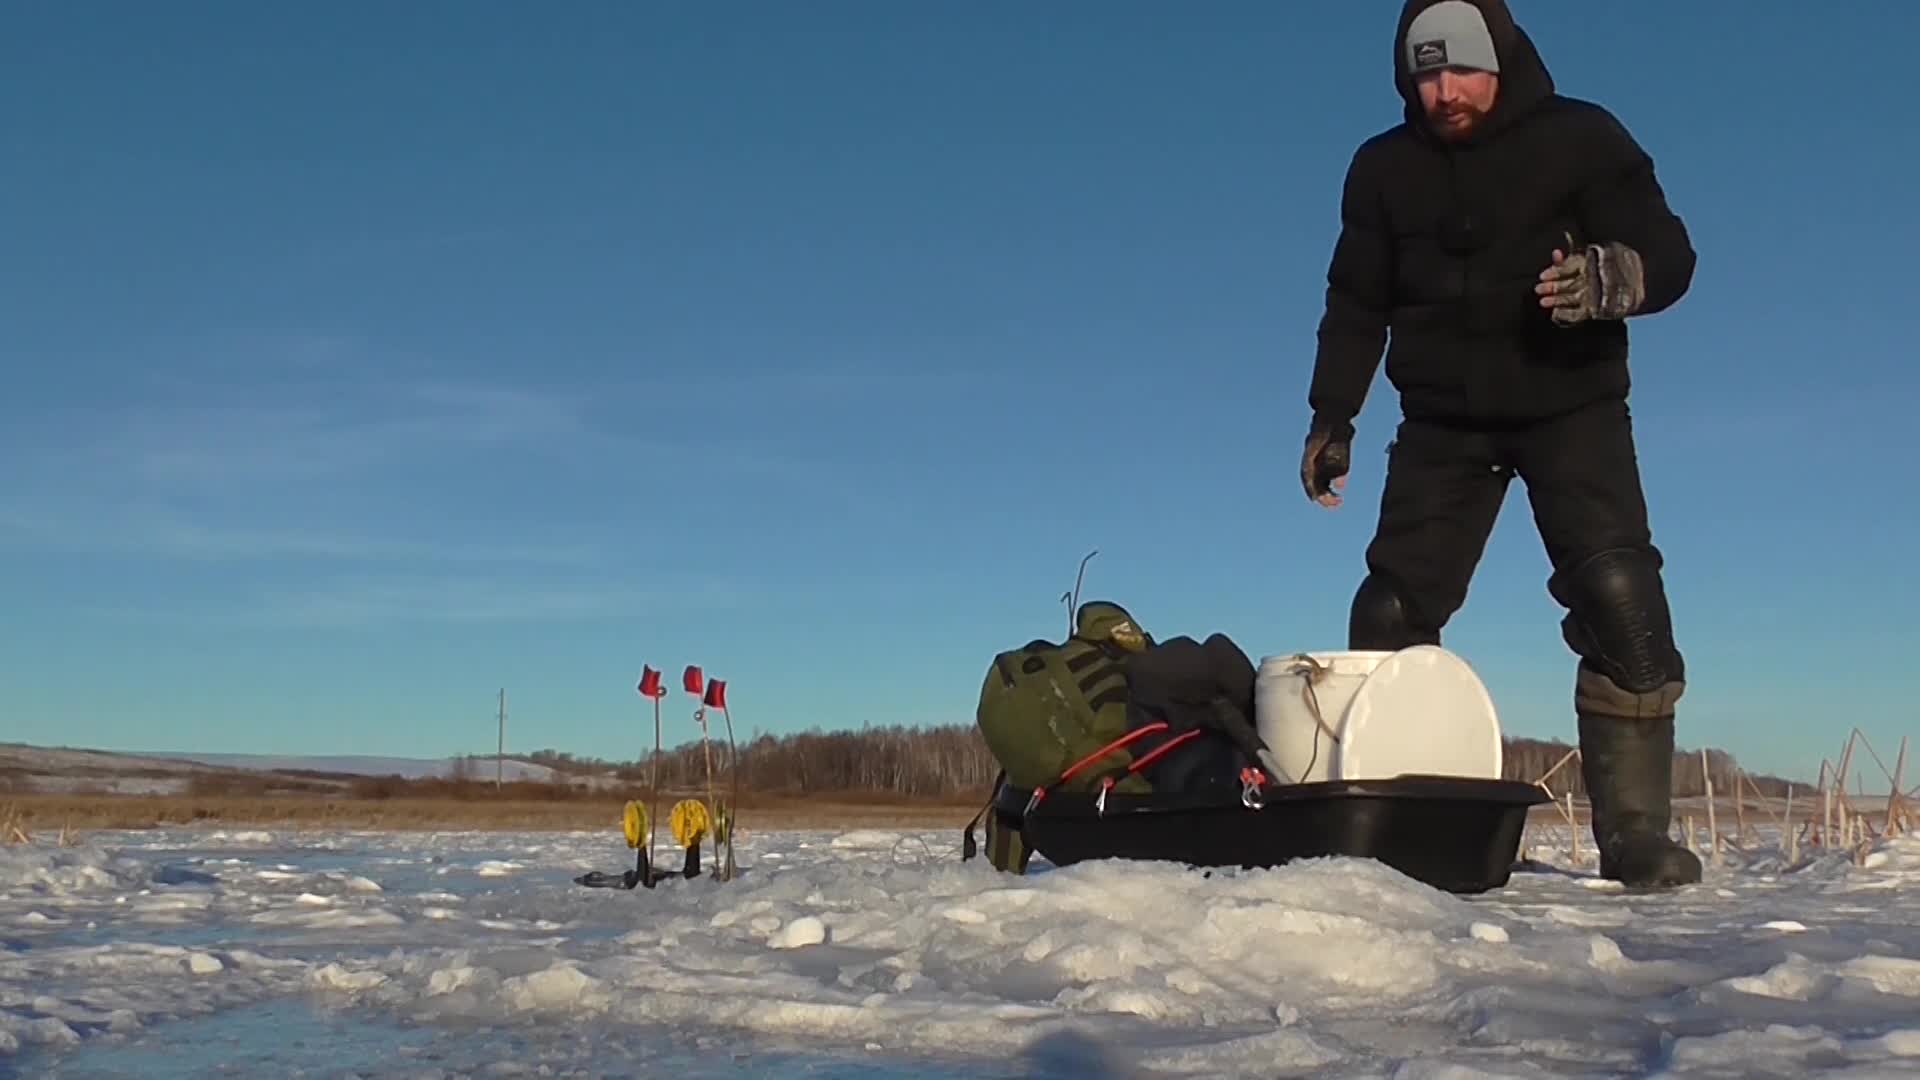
(650, 683)
(694, 680)
(717, 694)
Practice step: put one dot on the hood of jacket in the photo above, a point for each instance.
(1524, 79)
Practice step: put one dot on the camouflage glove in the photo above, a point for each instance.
(1324, 464)
(1602, 281)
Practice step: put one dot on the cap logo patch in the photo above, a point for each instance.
(1427, 54)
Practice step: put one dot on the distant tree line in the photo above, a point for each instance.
(952, 761)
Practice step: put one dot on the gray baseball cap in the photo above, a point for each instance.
(1451, 34)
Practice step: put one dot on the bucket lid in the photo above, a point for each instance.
(1422, 711)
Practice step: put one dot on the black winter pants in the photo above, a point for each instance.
(1443, 491)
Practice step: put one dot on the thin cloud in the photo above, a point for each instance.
(356, 603)
(199, 446)
(103, 528)
(231, 474)
(198, 481)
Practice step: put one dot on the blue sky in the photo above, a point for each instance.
(365, 359)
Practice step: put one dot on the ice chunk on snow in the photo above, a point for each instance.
(1740, 1050)
(1794, 979)
(82, 870)
(1900, 853)
(801, 932)
(1903, 1042)
(559, 987)
(447, 980)
(253, 837)
(1887, 974)
(336, 977)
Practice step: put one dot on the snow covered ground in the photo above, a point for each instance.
(50, 770)
(53, 769)
(370, 765)
(882, 955)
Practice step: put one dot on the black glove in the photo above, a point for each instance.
(1328, 455)
(1600, 281)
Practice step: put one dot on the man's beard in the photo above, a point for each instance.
(1457, 119)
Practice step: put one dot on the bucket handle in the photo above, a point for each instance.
(1314, 672)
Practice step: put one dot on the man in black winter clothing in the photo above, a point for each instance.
(1504, 234)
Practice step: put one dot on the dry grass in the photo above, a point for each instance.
(13, 826)
(25, 813)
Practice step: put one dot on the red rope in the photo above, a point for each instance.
(1120, 743)
(1160, 751)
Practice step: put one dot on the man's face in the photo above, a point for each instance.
(1457, 101)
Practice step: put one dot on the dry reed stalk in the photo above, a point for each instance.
(1790, 838)
(1826, 804)
(1884, 771)
(1761, 800)
(1566, 811)
(1840, 787)
(1896, 808)
(1573, 830)
(1864, 829)
(1713, 821)
(1541, 783)
(1740, 805)
(12, 826)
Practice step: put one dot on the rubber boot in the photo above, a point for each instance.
(1628, 766)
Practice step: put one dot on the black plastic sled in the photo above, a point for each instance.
(1456, 834)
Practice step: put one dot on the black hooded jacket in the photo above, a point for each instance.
(1443, 244)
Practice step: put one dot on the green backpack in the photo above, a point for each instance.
(1045, 706)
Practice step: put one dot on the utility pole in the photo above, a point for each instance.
(500, 755)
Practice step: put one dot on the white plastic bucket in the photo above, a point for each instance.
(1286, 696)
(1419, 710)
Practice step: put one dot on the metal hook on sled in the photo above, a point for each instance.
(1250, 783)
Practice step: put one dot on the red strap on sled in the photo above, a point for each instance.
(1160, 751)
(1142, 762)
(1120, 743)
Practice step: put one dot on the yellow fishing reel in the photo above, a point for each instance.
(636, 823)
(690, 822)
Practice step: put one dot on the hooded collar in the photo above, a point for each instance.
(1524, 79)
